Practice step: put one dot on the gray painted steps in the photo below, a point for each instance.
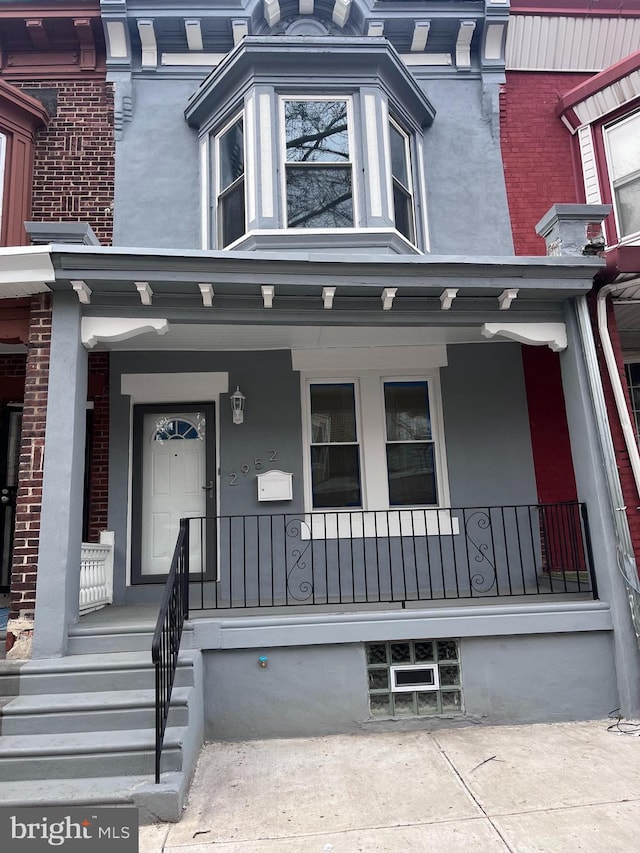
(65, 720)
(53, 713)
(155, 802)
(87, 673)
(73, 755)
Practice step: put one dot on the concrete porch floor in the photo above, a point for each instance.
(143, 616)
(558, 788)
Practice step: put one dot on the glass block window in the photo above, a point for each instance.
(385, 702)
(230, 183)
(317, 164)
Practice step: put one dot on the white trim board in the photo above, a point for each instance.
(174, 387)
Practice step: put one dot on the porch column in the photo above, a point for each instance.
(63, 482)
(593, 488)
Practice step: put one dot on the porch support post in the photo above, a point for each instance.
(590, 436)
(63, 482)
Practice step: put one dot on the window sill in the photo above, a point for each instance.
(380, 524)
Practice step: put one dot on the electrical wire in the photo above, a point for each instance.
(622, 726)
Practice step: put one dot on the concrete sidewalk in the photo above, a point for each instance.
(554, 788)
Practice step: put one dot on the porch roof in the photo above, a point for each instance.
(105, 276)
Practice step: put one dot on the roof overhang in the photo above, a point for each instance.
(346, 288)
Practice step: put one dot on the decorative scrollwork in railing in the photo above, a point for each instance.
(484, 580)
(298, 588)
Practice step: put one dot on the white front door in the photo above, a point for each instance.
(175, 482)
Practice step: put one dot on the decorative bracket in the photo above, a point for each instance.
(110, 329)
(553, 335)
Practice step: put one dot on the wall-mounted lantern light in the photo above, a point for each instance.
(237, 405)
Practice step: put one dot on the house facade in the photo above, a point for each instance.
(322, 351)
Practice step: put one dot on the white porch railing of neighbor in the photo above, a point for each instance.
(96, 573)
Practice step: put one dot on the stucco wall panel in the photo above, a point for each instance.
(486, 425)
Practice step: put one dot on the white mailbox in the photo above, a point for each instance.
(275, 486)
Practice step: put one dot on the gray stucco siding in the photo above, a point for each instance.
(157, 177)
(158, 180)
(465, 186)
(318, 690)
(486, 425)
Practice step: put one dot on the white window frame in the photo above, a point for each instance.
(3, 163)
(352, 162)
(218, 191)
(371, 435)
(606, 129)
(410, 189)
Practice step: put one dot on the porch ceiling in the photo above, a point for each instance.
(195, 337)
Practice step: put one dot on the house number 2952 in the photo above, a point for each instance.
(258, 465)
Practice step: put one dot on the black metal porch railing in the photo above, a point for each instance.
(402, 556)
(168, 633)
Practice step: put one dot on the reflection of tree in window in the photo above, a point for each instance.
(318, 168)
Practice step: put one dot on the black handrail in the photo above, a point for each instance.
(165, 647)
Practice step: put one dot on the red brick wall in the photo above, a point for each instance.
(29, 496)
(99, 464)
(74, 157)
(537, 151)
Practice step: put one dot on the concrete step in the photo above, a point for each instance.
(155, 802)
(77, 755)
(54, 713)
(82, 673)
(86, 639)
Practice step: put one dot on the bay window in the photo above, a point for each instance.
(318, 166)
(402, 182)
(230, 183)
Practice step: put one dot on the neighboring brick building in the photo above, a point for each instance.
(564, 94)
(57, 149)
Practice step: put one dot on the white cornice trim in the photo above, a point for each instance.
(553, 335)
(389, 359)
(173, 387)
(25, 270)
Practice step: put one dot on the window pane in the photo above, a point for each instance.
(398, 156)
(335, 475)
(624, 145)
(231, 211)
(231, 148)
(319, 197)
(333, 414)
(411, 474)
(316, 131)
(407, 411)
(628, 206)
(403, 210)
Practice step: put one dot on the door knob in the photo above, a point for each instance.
(209, 489)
